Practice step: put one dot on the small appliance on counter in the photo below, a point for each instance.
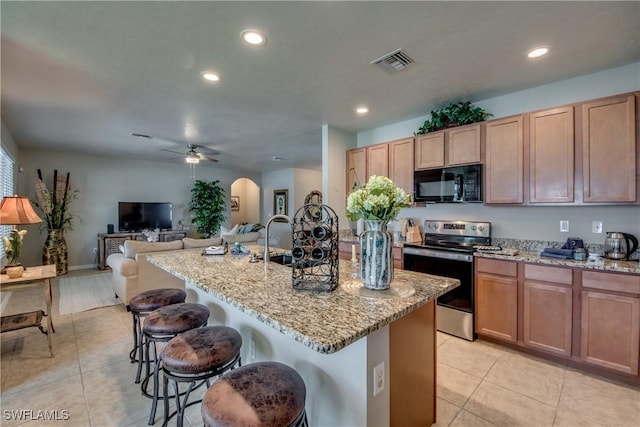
(619, 246)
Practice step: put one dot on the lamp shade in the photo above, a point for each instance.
(16, 210)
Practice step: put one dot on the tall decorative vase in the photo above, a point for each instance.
(54, 251)
(376, 262)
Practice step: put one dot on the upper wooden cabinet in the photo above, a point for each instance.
(464, 145)
(429, 150)
(456, 146)
(377, 160)
(401, 163)
(551, 156)
(609, 150)
(356, 159)
(504, 160)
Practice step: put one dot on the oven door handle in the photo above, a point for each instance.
(407, 250)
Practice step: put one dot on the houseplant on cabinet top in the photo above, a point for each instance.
(377, 202)
(55, 206)
(207, 204)
(462, 113)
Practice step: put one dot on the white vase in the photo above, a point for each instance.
(376, 261)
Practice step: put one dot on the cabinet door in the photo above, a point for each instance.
(497, 306)
(504, 161)
(609, 150)
(463, 145)
(430, 150)
(547, 317)
(378, 160)
(551, 156)
(611, 331)
(401, 164)
(356, 159)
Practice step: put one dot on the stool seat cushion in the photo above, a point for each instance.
(175, 318)
(259, 394)
(201, 349)
(156, 298)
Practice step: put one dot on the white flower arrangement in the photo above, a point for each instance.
(379, 200)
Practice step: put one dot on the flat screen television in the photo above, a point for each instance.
(137, 216)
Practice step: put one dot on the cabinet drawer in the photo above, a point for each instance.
(493, 266)
(563, 276)
(611, 282)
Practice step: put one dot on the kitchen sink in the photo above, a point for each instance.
(281, 259)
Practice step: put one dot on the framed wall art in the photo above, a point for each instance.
(235, 203)
(280, 202)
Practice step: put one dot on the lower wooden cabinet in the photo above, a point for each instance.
(548, 313)
(497, 299)
(611, 321)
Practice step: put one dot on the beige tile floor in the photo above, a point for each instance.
(479, 383)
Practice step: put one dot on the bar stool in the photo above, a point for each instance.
(141, 305)
(161, 325)
(194, 357)
(266, 394)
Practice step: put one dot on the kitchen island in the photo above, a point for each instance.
(333, 339)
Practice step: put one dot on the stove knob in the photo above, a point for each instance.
(473, 227)
(481, 228)
(435, 226)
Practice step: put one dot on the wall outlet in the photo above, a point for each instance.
(378, 379)
(596, 227)
(564, 226)
(252, 349)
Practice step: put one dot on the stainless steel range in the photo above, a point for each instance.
(447, 250)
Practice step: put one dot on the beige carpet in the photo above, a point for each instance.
(84, 293)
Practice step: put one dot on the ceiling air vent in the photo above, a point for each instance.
(394, 61)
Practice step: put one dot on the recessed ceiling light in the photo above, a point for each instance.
(362, 110)
(254, 37)
(211, 76)
(537, 52)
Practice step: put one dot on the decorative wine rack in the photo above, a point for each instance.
(315, 248)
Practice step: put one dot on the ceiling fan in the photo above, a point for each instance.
(192, 156)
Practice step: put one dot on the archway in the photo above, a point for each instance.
(245, 202)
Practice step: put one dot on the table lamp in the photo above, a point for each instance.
(15, 210)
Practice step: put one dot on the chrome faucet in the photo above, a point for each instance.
(266, 236)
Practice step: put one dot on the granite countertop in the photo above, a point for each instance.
(599, 264)
(324, 321)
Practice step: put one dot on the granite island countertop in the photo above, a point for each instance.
(323, 321)
(600, 263)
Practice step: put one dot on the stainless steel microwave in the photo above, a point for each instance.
(448, 185)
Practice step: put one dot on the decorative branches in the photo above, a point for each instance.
(55, 204)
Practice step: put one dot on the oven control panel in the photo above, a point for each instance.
(458, 228)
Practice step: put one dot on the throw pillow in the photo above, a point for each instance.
(247, 228)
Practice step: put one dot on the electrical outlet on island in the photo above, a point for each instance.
(378, 379)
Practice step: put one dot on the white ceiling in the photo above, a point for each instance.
(82, 76)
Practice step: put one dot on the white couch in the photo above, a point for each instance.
(132, 273)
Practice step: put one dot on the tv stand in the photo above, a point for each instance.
(109, 243)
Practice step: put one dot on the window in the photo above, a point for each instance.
(6, 187)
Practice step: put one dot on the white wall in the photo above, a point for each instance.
(534, 223)
(298, 183)
(335, 143)
(103, 182)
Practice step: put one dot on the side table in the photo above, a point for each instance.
(33, 276)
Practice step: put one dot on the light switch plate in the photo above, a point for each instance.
(596, 227)
(564, 226)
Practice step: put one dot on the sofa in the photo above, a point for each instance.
(132, 273)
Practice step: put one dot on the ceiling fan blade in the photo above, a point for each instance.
(207, 158)
(172, 151)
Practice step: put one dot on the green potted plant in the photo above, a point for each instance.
(208, 206)
(459, 114)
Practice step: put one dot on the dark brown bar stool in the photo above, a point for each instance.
(194, 357)
(265, 394)
(143, 304)
(161, 325)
